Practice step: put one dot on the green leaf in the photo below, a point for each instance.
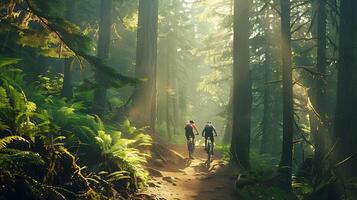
(7, 140)
(4, 61)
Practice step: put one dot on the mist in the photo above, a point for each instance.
(178, 99)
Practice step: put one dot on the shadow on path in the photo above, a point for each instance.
(197, 181)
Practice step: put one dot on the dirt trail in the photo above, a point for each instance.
(196, 181)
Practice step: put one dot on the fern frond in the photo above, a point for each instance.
(20, 157)
(4, 61)
(118, 175)
(9, 139)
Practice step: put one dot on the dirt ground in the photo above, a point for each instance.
(196, 180)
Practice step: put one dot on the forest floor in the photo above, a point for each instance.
(195, 180)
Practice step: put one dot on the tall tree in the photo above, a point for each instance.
(242, 86)
(269, 113)
(346, 107)
(67, 88)
(319, 89)
(100, 94)
(285, 166)
(144, 99)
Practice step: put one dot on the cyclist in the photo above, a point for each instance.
(208, 133)
(189, 128)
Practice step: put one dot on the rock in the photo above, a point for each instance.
(154, 172)
(157, 162)
(168, 179)
(143, 197)
(162, 156)
(151, 184)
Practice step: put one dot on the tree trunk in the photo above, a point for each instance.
(242, 91)
(346, 107)
(100, 94)
(144, 101)
(168, 89)
(268, 117)
(67, 88)
(175, 107)
(228, 123)
(285, 166)
(319, 96)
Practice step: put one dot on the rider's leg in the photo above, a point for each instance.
(212, 140)
(206, 143)
(193, 142)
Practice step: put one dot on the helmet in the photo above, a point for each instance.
(191, 121)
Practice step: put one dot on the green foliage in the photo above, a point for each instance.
(53, 36)
(264, 193)
(263, 163)
(7, 140)
(57, 137)
(225, 151)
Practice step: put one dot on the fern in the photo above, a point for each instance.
(9, 139)
(63, 132)
(5, 61)
(118, 176)
(19, 158)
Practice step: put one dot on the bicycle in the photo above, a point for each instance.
(190, 147)
(209, 150)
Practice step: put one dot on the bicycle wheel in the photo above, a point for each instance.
(209, 152)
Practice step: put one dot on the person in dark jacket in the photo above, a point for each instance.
(207, 132)
(189, 131)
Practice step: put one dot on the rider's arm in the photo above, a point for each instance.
(214, 130)
(203, 133)
(194, 126)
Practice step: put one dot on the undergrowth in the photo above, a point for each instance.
(50, 148)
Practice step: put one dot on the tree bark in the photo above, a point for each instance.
(268, 113)
(67, 87)
(285, 166)
(144, 101)
(346, 107)
(319, 96)
(242, 91)
(100, 94)
(228, 123)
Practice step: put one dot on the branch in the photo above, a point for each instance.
(97, 62)
(344, 160)
(302, 135)
(311, 71)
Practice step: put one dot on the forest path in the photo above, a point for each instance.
(196, 181)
